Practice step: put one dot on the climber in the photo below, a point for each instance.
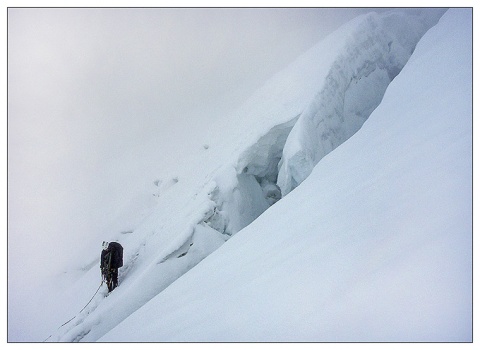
(111, 259)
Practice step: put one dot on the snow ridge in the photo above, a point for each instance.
(355, 80)
(372, 57)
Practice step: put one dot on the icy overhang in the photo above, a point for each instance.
(349, 85)
(371, 58)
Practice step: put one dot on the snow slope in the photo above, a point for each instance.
(222, 187)
(376, 243)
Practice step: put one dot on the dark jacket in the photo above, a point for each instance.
(112, 257)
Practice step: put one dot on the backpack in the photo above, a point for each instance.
(116, 250)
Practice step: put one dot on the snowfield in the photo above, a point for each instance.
(334, 206)
(375, 245)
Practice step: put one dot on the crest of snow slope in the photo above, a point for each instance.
(353, 87)
(353, 67)
(214, 194)
(376, 245)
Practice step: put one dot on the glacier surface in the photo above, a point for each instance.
(374, 246)
(274, 141)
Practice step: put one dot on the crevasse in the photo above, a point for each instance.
(353, 84)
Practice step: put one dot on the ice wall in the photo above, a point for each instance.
(244, 191)
(371, 58)
(350, 83)
(298, 117)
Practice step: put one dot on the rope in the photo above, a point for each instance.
(78, 312)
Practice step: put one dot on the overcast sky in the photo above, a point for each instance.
(87, 85)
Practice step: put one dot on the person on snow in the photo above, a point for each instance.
(111, 259)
